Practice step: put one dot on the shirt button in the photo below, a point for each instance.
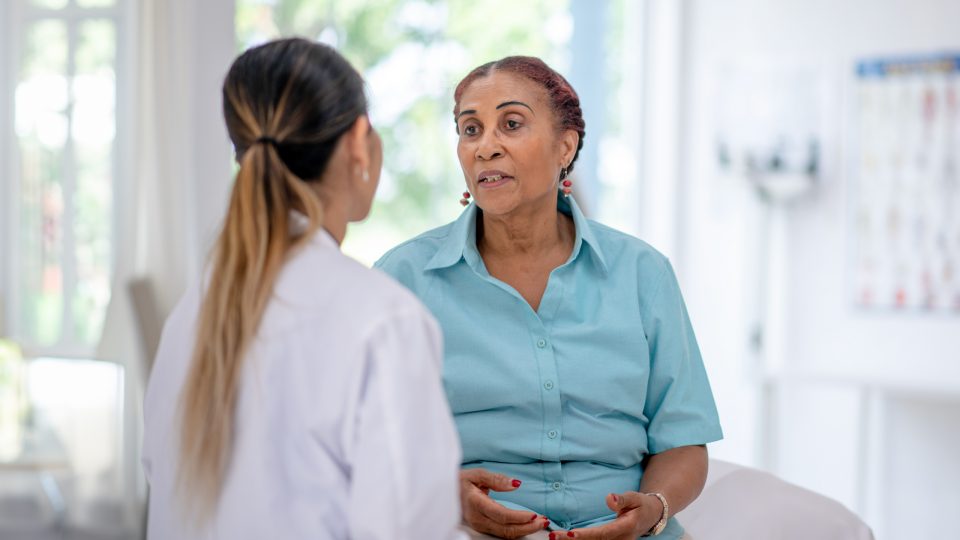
(552, 434)
(557, 486)
(548, 385)
(541, 343)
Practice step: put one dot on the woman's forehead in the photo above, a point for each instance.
(499, 87)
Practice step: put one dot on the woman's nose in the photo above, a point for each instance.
(489, 146)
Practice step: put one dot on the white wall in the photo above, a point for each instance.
(862, 405)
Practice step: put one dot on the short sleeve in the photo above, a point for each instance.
(398, 267)
(679, 403)
(406, 455)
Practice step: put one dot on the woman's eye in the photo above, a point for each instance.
(512, 124)
(470, 130)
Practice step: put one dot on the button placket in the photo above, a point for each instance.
(550, 399)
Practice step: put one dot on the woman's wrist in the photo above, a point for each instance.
(660, 512)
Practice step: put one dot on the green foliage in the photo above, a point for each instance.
(96, 47)
(46, 49)
(10, 356)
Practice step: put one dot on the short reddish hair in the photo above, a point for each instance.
(563, 98)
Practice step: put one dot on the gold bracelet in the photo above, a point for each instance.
(662, 524)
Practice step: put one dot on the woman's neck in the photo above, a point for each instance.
(525, 233)
(334, 202)
(334, 222)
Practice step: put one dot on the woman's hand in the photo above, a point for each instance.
(487, 516)
(637, 513)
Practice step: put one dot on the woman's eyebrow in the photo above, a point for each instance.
(500, 106)
(508, 103)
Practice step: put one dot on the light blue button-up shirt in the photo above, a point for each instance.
(572, 397)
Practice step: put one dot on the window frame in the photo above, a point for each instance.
(15, 17)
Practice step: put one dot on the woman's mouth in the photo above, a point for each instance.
(490, 179)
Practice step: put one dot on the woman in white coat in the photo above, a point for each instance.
(296, 394)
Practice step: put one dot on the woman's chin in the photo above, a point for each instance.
(498, 203)
(506, 205)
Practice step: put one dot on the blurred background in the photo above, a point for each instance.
(796, 159)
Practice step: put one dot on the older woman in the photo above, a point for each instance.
(571, 367)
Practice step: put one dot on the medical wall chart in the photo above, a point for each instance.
(905, 185)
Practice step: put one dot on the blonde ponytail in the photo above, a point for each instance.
(247, 257)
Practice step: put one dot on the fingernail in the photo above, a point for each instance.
(616, 499)
(553, 536)
(546, 523)
(570, 534)
(516, 483)
(534, 518)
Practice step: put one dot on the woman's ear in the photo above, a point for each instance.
(569, 140)
(356, 138)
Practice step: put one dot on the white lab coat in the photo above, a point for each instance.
(342, 427)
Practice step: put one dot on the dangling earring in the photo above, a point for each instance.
(565, 183)
(466, 198)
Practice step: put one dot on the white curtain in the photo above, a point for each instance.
(176, 182)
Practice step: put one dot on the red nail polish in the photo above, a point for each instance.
(534, 518)
(546, 523)
(516, 483)
(570, 534)
(553, 536)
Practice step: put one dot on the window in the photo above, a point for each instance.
(412, 54)
(60, 154)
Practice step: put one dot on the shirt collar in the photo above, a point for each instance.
(461, 242)
(298, 223)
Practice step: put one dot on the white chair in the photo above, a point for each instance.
(740, 503)
(149, 320)
(28, 510)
